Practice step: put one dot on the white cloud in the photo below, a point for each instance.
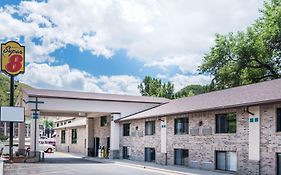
(180, 81)
(186, 63)
(157, 32)
(161, 76)
(64, 78)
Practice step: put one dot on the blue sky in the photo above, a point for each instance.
(109, 46)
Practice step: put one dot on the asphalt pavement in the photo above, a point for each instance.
(70, 164)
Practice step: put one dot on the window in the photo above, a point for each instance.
(149, 154)
(150, 128)
(103, 121)
(126, 129)
(181, 126)
(278, 164)
(58, 124)
(63, 136)
(74, 136)
(226, 161)
(181, 156)
(226, 123)
(278, 119)
(125, 152)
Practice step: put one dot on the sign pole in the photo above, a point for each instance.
(12, 63)
(11, 123)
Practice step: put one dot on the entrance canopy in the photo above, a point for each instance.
(55, 103)
(82, 104)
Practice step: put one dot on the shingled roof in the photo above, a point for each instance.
(44, 93)
(259, 93)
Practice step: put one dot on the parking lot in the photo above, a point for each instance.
(69, 164)
(61, 163)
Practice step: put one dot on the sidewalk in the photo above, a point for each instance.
(153, 166)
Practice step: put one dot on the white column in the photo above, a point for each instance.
(114, 137)
(21, 134)
(90, 137)
(34, 128)
(163, 132)
(163, 135)
(254, 133)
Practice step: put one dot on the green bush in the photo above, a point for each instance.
(3, 137)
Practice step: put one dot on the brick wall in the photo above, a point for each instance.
(201, 147)
(102, 131)
(137, 140)
(270, 139)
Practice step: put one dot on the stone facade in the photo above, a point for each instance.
(103, 132)
(79, 147)
(137, 141)
(202, 141)
(270, 139)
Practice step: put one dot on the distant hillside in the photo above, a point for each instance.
(5, 89)
(192, 90)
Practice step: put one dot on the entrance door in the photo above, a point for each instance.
(96, 146)
(107, 145)
(278, 163)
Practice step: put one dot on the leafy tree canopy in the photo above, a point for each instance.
(5, 89)
(250, 56)
(48, 123)
(192, 90)
(155, 87)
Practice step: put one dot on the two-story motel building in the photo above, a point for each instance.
(235, 130)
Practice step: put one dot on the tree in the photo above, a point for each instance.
(48, 127)
(154, 87)
(5, 89)
(192, 90)
(48, 123)
(250, 56)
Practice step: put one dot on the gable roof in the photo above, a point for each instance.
(259, 93)
(44, 93)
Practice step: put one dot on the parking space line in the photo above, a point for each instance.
(156, 170)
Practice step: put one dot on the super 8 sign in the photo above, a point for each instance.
(12, 58)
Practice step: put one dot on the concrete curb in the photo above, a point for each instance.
(99, 160)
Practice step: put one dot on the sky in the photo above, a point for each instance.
(109, 46)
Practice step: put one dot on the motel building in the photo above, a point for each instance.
(237, 130)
